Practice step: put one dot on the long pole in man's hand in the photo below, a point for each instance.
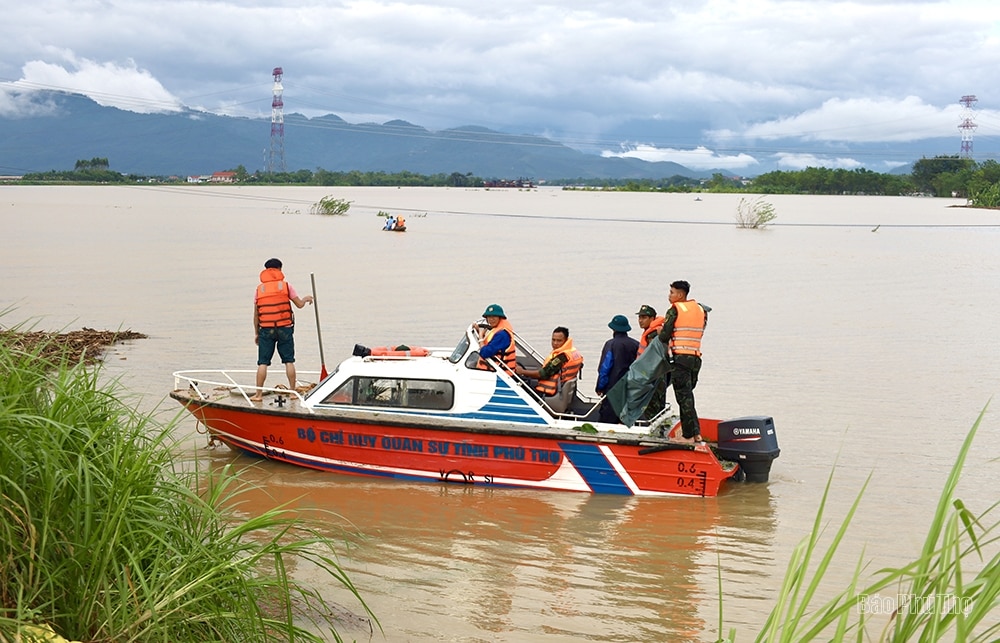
(319, 334)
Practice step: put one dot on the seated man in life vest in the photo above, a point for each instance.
(558, 375)
(497, 341)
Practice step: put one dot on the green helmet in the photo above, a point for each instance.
(494, 310)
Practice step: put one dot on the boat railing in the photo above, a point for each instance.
(585, 405)
(589, 404)
(202, 382)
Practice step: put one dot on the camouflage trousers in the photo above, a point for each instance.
(659, 399)
(684, 375)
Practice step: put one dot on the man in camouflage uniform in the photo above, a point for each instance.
(685, 345)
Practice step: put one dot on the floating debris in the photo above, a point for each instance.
(86, 344)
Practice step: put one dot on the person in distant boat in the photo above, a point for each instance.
(400, 223)
(560, 370)
(497, 341)
(651, 324)
(274, 323)
(616, 357)
(390, 223)
(683, 327)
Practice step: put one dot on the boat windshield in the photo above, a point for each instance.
(459, 352)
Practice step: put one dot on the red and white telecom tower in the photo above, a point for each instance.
(968, 124)
(276, 157)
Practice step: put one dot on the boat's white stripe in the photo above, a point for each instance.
(619, 468)
(565, 478)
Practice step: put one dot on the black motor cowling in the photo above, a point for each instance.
(750, 442)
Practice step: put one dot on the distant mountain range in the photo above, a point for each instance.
(192, 143)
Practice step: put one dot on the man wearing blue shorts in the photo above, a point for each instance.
(274, 323)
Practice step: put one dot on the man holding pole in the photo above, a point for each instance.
(274, 323)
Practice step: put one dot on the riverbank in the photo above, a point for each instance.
(87, 345)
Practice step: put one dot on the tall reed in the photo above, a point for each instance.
(104, 539)
(950, 591)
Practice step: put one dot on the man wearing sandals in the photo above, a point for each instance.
(683, 326)
(274, 323)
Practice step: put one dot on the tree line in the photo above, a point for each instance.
(945, 176)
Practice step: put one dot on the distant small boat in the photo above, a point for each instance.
(394, 224)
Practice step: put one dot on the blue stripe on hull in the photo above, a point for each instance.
(593, 466)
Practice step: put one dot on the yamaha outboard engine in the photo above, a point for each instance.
(750, 442)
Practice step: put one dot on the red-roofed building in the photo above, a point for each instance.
(223, 177)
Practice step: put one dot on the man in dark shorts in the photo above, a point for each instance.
(274, 323)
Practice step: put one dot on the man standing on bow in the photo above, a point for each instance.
(274, 323)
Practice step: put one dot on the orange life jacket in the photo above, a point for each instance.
(688, 328)
(569, 371)
(654, 328)
(509, 355)
(274, 307)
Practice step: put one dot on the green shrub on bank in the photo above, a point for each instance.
(987, 197)
(103, 540)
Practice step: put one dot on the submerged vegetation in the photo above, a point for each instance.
(754, 213)
(102, 538)
(331, 206)
(86, 345)
(950, 591)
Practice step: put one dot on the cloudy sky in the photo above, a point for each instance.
(751, 84)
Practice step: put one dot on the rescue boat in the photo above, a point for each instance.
(431, 415)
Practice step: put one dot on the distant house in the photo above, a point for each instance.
(223, 177)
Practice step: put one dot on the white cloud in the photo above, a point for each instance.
(124, 86)
(789, 161)
(699, 158)
(859, 120)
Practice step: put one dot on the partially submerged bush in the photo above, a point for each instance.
(330, 206)
(988, 197)
(755, 213)
(103, 540)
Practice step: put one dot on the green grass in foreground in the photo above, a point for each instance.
(951, 591)
(103, 540)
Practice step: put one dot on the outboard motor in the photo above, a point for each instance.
(750, 442)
